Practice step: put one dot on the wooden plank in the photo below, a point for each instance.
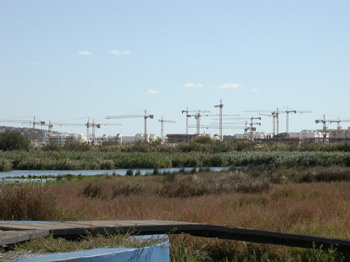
(13, 237)
(144, 227)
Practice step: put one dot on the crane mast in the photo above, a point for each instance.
(187, 116)
(198, 116)
(162, 121)
(220, 119)
(287, 120)
(273, 115)
(323, 121)
(253, 128)
(245, 130)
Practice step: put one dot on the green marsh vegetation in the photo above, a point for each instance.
(302, 200)
(68, 160)
(201, 152)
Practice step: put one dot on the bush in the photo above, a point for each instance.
(92, 190)
(5, 165)
(13, 140)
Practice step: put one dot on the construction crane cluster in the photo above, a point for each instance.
(324, 122)
(222, 121)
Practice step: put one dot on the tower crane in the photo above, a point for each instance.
(275, 117)
(145, 116)
(293, 112)
(245, 130)
(323, 121)
(197, 116)
(42, 123)
(88, 124)
(187, 116)
(253, 128)
(338, 125)
(220, 119)
(162, 124)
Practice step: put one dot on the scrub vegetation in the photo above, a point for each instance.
(313, 201)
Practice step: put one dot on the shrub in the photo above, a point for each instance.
(92, 190)
(5, 165)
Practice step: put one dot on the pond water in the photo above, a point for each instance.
(122, 172)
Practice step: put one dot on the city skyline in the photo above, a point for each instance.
(63, 60)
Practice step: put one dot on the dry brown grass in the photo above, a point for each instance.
(316, 208)
(28, 202)
(310, 208)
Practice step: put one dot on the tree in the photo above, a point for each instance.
(76, 145)
(13, 140)
(51, 147)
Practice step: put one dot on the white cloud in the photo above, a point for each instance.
(255, 90)
(32, 63)
(118, 52)
(94, 83)
(192, 85)
(84, 53)
(228, 85)
(153, 92)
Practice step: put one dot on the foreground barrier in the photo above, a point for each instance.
(158, 252)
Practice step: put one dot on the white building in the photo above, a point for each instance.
(256, 135)
(339, 133)
(307, 134)
(106, 138)
(138, 137)
(61, 139)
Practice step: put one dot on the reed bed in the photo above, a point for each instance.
(69, 160)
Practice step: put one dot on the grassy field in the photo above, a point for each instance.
(313, 201)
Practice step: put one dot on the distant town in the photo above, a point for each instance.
(40, 137)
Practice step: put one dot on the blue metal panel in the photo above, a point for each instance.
(159, 252)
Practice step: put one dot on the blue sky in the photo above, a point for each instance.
(66, 60)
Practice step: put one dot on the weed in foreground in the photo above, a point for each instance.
(186, 248)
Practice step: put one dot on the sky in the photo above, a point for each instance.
(70, 61)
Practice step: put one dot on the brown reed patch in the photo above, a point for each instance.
(28, 202)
